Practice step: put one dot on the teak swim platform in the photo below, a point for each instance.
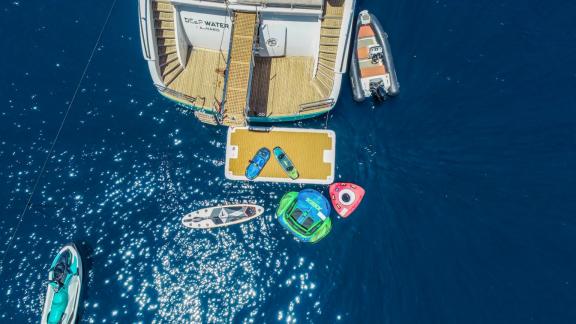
(237, 62)
(312, 151)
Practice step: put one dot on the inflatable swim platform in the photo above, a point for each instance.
(311, 151)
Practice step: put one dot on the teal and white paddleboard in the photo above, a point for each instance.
(64, 287)
(221, 216)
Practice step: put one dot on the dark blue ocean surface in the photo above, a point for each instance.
(470, 174)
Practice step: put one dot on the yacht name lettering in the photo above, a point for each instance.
(206, 23)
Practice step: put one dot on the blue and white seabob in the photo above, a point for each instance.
(236, 62)
(64, 287)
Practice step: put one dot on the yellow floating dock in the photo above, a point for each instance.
(312, 151)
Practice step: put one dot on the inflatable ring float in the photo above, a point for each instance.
(346, 197)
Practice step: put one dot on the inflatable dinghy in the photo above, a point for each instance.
(372, 71)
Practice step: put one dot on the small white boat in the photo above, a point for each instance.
(221, 216)
(372, 71)
(64, 287)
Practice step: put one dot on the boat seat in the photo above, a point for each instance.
(367, 42)
(373, 71)
(363, 53)
(366, 64)
(365, 31)
(307, 223)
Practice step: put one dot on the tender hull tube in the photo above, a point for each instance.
(355, 77)
(388, 60)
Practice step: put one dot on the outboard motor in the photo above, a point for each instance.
(381, 94)
(378, 91)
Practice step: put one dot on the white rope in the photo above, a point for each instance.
(328, 118)
(28, 203)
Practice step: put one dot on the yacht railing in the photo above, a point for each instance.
(144, 13)
(273, 3)
(188, 99)
(316, 105)
(294, 4)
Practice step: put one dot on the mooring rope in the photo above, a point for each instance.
(37, 181)
(328, 115)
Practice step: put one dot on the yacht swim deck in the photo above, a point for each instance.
(281, 85)
(202, 78)
(236, 62)
(312, 151)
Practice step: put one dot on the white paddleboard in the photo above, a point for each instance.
(220, 216)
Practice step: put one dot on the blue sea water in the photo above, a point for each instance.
(470, 173)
